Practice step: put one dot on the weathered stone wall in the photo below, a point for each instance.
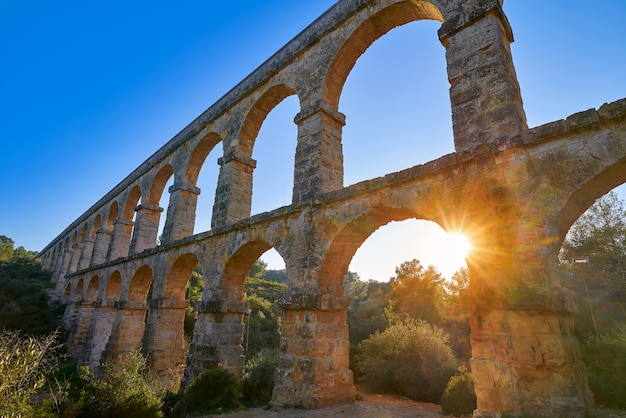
(514, 191)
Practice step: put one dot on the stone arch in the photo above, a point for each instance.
(257, 114)
(198, 157)
(178, 276)
(113, 287)
(158, 185)
(392, 16)
(96, 225)
(582, 198)
(348, 240)
(238, 267)
(111, 216)
(91, 294)
(131, 201)
(83, 232)
(139, 285)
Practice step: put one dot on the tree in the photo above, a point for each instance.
(411, 358)
(598, 239)
(24, 363)
(418, 291)
(366, 313)
(600, 235)
(6, 248)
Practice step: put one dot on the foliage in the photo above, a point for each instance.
(125, 391)
(24, 363)
(366, 313)
(258, 382)
(605, 357)
(459, 398)
(454, 311)
(212, 391)
(263, 322)
(598, 237)
(193, 294)
(411, 358)
(24, 301)
(6, 248)
(418, 291)
(279, 276)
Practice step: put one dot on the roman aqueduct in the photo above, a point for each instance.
(514, 190)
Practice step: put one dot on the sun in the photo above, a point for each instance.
(459, 245)
(448, 251)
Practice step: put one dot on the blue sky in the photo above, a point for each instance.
(89, 90)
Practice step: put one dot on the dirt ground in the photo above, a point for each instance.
(370, 406)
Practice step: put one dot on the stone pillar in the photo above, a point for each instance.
(313, 368)
(233, 196)
(98, 335)
(319, 156)
(85, 255)
(164, 340)
(100, 247)
(61, 269)
(127, 330)
(146, 228)
(484, 92)
(80, 328)
(76, 251)
(181, 212)
(217, 339)
(525, 357)
(120, 239)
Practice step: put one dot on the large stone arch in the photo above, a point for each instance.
(375, 26)
(257, 114)
(348, 240)
(197, 158)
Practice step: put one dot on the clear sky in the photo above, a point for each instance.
(89, 90)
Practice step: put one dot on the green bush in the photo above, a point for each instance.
(258, 382)
(411, 358)
(125, 391)
(459, 398)
(214, 391)
(605, 356)
(24, 363)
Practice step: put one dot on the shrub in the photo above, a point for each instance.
(125, 391)
(459, 398)
(24, 363)
(604, 356)
(214, 391)
(258, 382)
(411, 358)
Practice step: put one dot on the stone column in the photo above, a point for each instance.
(120, 239)
(313, 368)
(233, 196)
(319, 157)
(85, 255)
(164, 342)
(80, 328)
(127, 330)
(525, 357)
(217, 339)
(73, 265)
(484, 92)
(60, 270)
(100, 247)
(181, 212)
(98, 335)
(146, 228)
